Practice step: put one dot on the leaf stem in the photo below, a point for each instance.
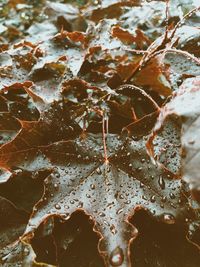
(104, 140)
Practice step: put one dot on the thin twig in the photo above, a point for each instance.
(181, 21)
(149, 54)
(141, 91)
(136, 51)
(174, 50)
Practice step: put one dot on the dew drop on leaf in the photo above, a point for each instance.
(92, 186)
(101, 214)
(26, 251)
(113, 229)
(141, 185)
(80, 205)
(119, 211)
(57, 175)
(56, 185)
(172, 196)
(164, 199)
(169, 218)
(57, 206)
(161, 182)
(153, 199)
(116, 257)
(98, 170)
(66, 216)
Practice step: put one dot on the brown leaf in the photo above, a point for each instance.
(126, 37)
(154, 76)
(107, 189)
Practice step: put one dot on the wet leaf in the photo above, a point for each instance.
(107, 183)
(99, 111)
(184, 107)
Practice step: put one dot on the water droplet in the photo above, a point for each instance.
(169, 218)
(161, 182)
(80, 205)
(57, 175)
(153, 199)
(92, 186)
(116, 257)
(66, 216)
(55, 185)
(119, 211)
(113, 229)
(141, 185)
(186, 220)
(164, 199)
(98, 170)
(26, 251)
(172, 196)
(57, 206)
(101, 214)
(108, 169)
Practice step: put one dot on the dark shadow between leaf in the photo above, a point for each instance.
(72, 243)
(159, 244)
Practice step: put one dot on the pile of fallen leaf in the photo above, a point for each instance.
(99, 133)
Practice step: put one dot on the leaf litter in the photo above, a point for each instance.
(99, 111)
